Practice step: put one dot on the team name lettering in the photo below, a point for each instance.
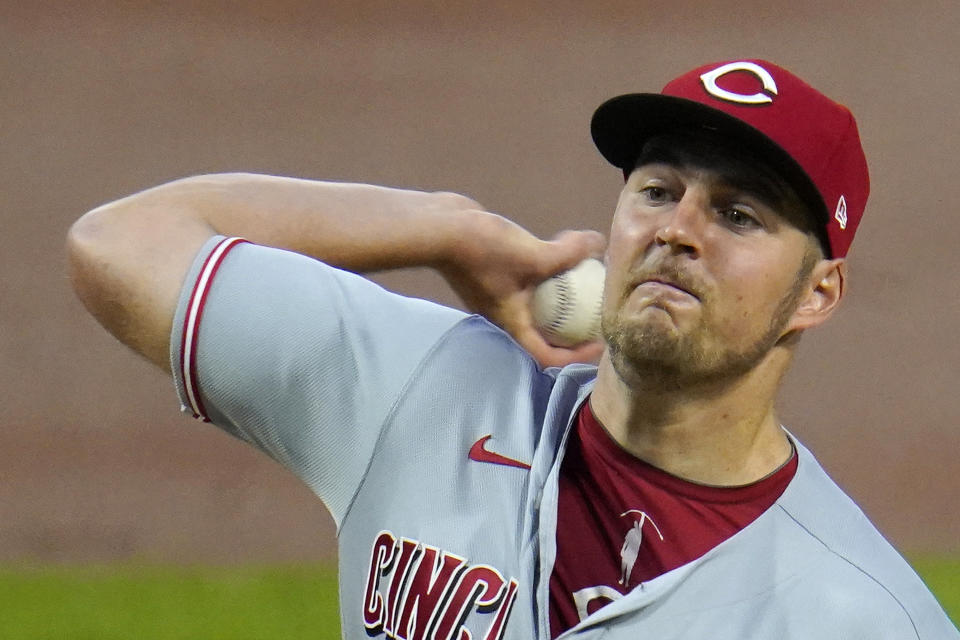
(415, 591)
(590, 599)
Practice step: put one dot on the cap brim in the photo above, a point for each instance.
(621, 126)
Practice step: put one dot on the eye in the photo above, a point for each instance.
(655, 194)
(740, 219)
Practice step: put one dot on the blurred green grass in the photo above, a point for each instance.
(167, 603)
(942, 575)
(245, 603)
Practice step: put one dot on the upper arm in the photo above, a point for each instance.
(302, 360)
(127, 262)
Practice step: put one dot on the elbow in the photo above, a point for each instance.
(138, 222)
(451, 201)
(82, 239)
(98, 232)
(85, 244)
(91, 230)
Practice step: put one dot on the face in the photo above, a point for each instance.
(703, 274)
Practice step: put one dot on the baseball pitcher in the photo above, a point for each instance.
(483, 484)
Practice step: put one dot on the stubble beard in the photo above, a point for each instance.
(658, 355)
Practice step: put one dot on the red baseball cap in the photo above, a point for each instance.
(808, 138)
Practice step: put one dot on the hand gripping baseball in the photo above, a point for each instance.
(567, 307)
(498, 269)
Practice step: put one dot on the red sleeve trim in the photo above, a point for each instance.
(191, 324)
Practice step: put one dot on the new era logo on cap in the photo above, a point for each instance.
(840, 215)
(808, 138)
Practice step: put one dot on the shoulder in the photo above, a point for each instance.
(854, 575)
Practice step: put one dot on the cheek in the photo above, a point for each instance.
(755, 298)
(629, 236)
(625, 250)
(613, 286)
(617, 244)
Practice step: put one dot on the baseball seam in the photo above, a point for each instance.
(564, 304)
(596, 320)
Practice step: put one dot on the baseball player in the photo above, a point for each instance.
(480, 495)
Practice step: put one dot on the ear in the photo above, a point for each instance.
(822, 293)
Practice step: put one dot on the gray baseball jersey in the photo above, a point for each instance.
(435, 441)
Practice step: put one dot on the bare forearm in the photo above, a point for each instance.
(357, 227)
(129, 257)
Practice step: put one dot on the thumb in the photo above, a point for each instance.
(570, 248)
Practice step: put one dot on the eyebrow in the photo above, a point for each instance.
(715, 155)
(767, 191)
(751, 182)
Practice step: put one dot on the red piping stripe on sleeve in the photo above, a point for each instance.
(191, 324)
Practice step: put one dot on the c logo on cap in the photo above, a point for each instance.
(710, 78)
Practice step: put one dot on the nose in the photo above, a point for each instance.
(683, 226)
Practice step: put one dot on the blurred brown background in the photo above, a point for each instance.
(100, 99)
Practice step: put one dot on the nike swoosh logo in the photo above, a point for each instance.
(480, 453)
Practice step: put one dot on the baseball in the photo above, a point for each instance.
(566, 308)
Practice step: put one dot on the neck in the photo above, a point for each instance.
(723, 432)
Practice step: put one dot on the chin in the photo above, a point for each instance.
(647, 346)
(658, 352)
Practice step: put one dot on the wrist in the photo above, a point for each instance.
(457, 222)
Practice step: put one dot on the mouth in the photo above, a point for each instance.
(667, 285)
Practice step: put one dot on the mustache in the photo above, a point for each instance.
(672, 275)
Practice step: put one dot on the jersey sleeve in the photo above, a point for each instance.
(301, 360)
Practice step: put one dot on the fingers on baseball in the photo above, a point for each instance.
(550, 356)
(572, 247)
